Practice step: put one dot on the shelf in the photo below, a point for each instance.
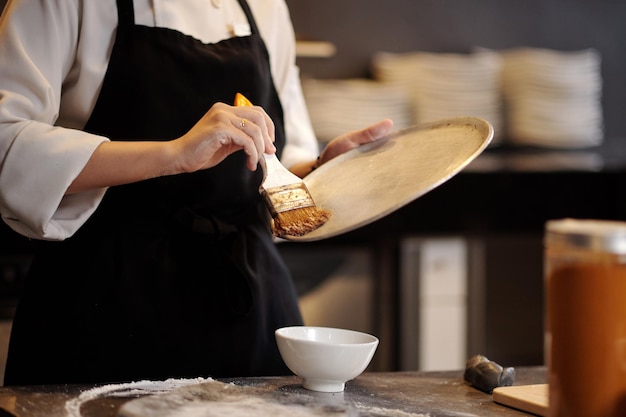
(314, 49)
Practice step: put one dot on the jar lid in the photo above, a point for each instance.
(599, 235)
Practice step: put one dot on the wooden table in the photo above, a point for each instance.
(371, 394)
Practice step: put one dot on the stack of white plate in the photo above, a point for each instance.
(445, 85)
(339, 106)
(553, 98)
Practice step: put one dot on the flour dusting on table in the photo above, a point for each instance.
(386, 412)
(130, 389)
(201, 397)
(246, 407)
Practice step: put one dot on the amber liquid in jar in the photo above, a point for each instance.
(586, 329)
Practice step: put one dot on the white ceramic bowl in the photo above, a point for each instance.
(325, 358)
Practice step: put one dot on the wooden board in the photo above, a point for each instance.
(373, 180)
(530, 398)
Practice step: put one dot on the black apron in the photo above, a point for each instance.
(171, 277)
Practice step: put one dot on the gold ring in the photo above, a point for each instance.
(242, 124)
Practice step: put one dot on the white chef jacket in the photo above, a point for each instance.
(53, 57)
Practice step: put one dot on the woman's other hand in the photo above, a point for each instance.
(344, 143)
(351, 140)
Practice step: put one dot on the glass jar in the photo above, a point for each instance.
(585, 277)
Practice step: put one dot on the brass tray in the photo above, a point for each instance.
(373, 180)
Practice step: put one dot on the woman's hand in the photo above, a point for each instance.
(224, 130)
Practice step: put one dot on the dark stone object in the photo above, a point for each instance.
(486, 375)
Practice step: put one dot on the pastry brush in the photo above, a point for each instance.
(287, 197)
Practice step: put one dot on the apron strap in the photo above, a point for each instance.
(246, 9)
(125, 16)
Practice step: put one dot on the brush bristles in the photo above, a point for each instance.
(299, 222)
(293, 210)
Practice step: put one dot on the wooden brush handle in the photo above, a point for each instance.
(241, 100)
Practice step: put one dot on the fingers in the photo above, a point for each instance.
(371, 133)
(254, 133)
(356, 138)
(222, 131)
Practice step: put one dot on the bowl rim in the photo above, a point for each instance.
(280, 332)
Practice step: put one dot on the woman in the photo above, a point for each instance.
(123, 158)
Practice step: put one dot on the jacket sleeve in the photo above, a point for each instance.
(38, 158)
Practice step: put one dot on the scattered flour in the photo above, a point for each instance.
(246, 407)
(232, 404)
(72, 407)
(378, 411)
